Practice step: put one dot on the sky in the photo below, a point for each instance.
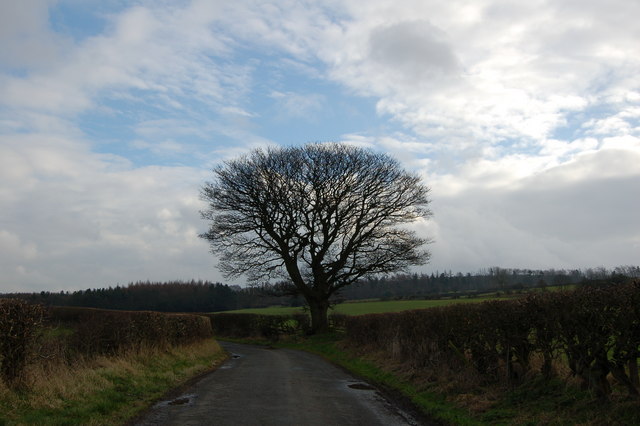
(522, 117)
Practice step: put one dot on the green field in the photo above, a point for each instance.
(369, 307)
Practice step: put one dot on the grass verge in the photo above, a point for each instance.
(106, 390)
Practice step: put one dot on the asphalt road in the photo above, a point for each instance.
(261, 386)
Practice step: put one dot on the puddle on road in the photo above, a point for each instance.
(361, 386)
(229, 364)
(181, 400)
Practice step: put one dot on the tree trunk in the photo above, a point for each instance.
(319, 319)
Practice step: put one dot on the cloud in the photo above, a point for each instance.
(575, 214)
(414, 52)
(165, 147)
(76, 219)
(291, 105)
(27, 41)
(167, 54)
(513, 71)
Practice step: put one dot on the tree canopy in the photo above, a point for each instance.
(320, 215)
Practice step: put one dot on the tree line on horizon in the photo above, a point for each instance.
(205, 296)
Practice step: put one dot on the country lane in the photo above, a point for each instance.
(262, 386)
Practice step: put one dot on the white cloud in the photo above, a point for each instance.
(490, 71)
(414, 53)
(575, 214)
(75, 219)
(291, 105)
(165, 147)
(168, 54)
(559, 149)
(27, 40)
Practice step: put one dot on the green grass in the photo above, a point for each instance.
(378, 307)
(368, 307)
(106, 391)
(273, 310)
(384, 306)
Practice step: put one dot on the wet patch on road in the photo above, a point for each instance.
(361, 386)
(231, 361)
(181, 400)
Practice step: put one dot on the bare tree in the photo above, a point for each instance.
(320, 215)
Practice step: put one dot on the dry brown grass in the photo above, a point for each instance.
(53, 385)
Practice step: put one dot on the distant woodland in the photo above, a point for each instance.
(203, 296)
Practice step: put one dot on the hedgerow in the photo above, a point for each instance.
(63, 334)
(98, 331)
(596, 329)
(19, 325)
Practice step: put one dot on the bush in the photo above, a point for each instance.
(19, 325)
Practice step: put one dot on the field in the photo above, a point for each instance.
(363, 307)
(367, 307)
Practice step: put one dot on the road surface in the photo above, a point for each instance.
(262, 386)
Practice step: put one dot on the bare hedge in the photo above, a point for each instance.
(19, 326)
(596, 329)
(98, 331)
(63, 334)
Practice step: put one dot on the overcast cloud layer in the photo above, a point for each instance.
(524, 118)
